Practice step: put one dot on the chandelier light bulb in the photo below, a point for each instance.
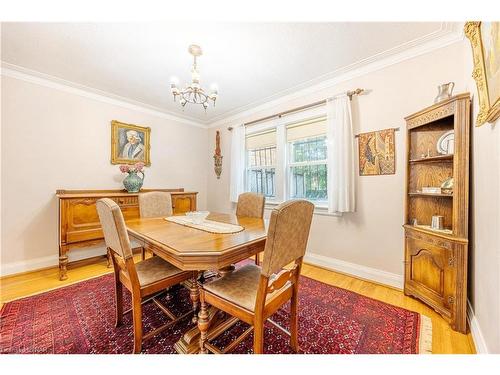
(174, 81)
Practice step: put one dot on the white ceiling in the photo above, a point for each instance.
(250, 62)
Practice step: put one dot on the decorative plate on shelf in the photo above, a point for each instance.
(446, 143)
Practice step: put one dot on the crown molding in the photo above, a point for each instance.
(38, 78)
(448, 34)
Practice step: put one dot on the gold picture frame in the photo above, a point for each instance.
(130, 144)
(486, 70)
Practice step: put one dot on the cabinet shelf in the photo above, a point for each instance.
(445, 233)
(429, 229)
(439, 195)
(433, 159)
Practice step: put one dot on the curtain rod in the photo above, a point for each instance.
(349, 93)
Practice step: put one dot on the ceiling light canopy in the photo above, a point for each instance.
(193, 93)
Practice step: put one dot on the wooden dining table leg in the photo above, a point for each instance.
(217, 323)
(203, 325)
(214, 322)
(194, 294)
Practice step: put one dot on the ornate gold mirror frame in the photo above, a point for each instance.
(489, 108)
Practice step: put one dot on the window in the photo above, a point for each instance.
(261, 163)
(288, 161)
(307, 160)
(308, 169)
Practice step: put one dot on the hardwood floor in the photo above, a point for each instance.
(444, 339)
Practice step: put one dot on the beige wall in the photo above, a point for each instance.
(484, 267)
(372, 237)
(57, 140)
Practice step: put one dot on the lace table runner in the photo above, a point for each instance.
(207, 226)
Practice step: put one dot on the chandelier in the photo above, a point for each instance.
(193, 93)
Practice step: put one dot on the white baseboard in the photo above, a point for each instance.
(53, 260)
(363, 272)
(49, 261)
(28, 265)
(475, 331)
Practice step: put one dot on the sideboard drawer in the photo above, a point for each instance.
(127, 201)
(81, 235)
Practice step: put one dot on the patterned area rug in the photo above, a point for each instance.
(79, 318)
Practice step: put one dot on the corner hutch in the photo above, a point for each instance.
(79, 223)
(436, 256)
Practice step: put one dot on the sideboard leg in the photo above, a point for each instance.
(63, 267)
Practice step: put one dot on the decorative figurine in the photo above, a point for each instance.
(217, 156)
(447, 186)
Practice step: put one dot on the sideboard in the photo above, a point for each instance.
(79, 223)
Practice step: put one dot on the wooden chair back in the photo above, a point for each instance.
(287, 235)
(286, 243)
(251, 205)
(116, 237)
(155, 204)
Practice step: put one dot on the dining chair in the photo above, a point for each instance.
(145, 280)
(251, 205)
(154, 204)
(252, 293)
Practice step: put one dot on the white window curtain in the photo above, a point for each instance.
(237, 181)
(340, 140)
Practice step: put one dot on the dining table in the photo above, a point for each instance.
(190, 248)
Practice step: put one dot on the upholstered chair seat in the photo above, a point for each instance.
(155, 269)
(240, 287)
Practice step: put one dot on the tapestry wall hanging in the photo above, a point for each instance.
(377, 154)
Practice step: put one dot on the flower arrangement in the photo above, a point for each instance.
(133, 182)
(137, 167)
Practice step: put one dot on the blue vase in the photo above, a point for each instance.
(133, 182)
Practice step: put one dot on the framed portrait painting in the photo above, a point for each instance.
(485, 41)
(130, 143)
